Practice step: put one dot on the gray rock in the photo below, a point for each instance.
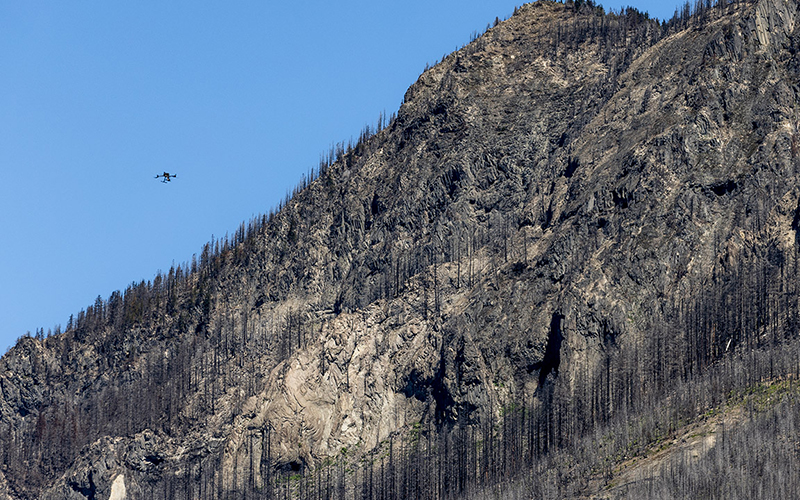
(546, 193)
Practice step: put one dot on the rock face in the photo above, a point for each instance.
(570, 183)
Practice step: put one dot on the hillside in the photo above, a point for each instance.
(578, 234)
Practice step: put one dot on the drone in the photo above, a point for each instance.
(167, 177)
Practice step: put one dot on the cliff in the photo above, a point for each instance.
(567, 218)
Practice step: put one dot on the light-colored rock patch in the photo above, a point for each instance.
(118, 488)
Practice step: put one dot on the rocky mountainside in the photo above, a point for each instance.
(578, 232)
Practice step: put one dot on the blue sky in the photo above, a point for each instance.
(239, 99)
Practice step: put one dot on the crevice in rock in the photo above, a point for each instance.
(622, 198)
(89, 492)
(155, 459)
(423, 389)
(552, 352)
(441, 396)
(572, 166)
(416, 387)
(723, 188)
(297, 466)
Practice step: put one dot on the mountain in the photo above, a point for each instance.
(571, 255)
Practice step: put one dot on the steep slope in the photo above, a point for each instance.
(569, 215)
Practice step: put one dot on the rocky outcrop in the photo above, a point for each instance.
(564, 186)
(774, 22)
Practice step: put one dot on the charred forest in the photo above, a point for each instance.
(567, 266)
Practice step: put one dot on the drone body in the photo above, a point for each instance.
(167, 177)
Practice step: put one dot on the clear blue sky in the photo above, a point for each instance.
(239, 99)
